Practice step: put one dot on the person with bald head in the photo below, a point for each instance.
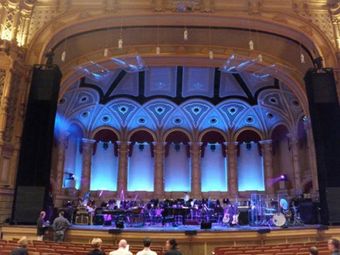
(123, 248)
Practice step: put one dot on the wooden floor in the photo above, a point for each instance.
(191, 241)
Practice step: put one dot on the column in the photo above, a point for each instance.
(266, 147)
(311, 155)
(232, 168)
(59, 175)
(195, 152)
(87, 150)
(123, 150)
(296, 164)
(159, 176)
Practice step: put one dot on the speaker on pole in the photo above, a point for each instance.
(325, 119)
(34, 166)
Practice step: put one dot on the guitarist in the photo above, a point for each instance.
(227, 217)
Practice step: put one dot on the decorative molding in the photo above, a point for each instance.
(254, 7)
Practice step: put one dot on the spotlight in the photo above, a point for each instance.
(283, 177)
(120, 43)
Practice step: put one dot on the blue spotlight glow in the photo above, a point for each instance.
(104, 170)
(141, 168)
(177, 173)
(250, 168)
(214, 170)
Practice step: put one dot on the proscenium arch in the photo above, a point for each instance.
(293, 28)
(45, 40)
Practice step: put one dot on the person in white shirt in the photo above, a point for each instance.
(146, 250)
(123, 248)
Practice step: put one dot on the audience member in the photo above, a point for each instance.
(171, 247)
(96, 243)
(146, 250)
(123, 248)
(333, 246)
(42, 226)
(22, 249)
(313, 251)
(60, 225)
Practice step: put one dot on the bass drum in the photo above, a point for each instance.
(279, 220)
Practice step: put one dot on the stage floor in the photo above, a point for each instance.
(183, 228)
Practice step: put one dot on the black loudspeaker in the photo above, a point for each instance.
(190, 232)
(262, 231)
(120, 224)
(29, 200)
(205, 225)
(98, 219)
(243, 218)
(325, 117)
(333, 201)
(115, 231)
(308, 212)
(37, 138)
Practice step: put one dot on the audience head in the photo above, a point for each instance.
(333, 244)
(23, 241)
(122, 243)
(147, 242)
(61, 213)
(96, 242)
(313, 251)
(171, 244)
(42, 214)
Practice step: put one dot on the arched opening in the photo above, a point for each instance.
(213, 163)
(73, 158)
(177, 164)
(250, 171)
(141, 162)
(104, 169)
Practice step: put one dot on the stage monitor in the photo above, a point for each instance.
(206, 225)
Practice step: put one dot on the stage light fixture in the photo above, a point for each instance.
(283, 177)
(211, 54)
(185, 34)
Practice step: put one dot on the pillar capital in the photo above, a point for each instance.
(266, 142)
(88, 141)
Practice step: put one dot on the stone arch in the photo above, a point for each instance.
(139, 134)
(220, 132)
(169, 134)
(248, 134)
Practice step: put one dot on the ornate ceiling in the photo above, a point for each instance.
(193, 98)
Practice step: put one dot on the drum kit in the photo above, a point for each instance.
(276, 213)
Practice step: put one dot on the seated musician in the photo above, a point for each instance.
(230, 214)
(91, 207)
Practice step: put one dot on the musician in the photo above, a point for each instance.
(186, 197)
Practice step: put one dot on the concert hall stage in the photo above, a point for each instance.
(191, 238)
